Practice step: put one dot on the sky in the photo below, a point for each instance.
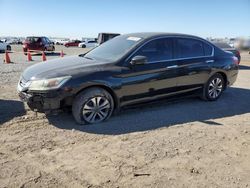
(82, 18)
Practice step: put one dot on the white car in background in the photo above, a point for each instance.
(88, 44)
(61, 41)
(4, 46)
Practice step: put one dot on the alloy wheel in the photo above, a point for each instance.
(215, 88)
(96, 109)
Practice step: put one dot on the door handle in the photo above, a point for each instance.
(172, 67)
(210, 61)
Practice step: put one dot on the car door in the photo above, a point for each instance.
(156, 78)
(39, 43)
(193, 58)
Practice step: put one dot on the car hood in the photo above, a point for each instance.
(67, 66)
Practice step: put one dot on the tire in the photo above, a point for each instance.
(25, 51)
(8, 48)
(83, 46)
(214, 87)
(84, 109)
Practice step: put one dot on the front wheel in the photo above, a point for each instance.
(214, 87)
(93, 105)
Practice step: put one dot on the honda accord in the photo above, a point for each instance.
(128, 70)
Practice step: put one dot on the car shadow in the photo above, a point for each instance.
(10, 109)
(234, 101)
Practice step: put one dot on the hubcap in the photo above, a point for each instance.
(96, 109)
(215, 88)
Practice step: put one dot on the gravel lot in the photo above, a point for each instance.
(186, 143)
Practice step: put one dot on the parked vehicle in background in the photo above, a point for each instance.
(4, 46)
(88, 44)
(246, 44)
(84, 39)
(38, 44)
(127, 70)
(103, 37)
(72, 43)
(12, 40)
(227, 47)
(242, 44)
(61, 41)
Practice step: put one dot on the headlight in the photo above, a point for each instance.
(47, 84)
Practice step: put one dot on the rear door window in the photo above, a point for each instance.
(208, 50)
(157, 50)
(187, 48)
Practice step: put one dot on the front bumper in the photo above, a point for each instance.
(43, 102)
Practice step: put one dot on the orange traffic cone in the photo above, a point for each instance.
(7, 57)
(29, 56)
(61, 54)
(43, 56)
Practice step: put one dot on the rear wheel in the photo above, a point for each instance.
(83, 46)
(8, 48)
(25, 51)
(93, 105)
(214, 87)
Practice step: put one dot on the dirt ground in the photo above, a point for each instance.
(186, 143)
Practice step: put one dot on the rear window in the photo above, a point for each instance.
(189, 48)
(33, 39)
(207, 49)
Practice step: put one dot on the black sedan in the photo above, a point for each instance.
(128, 70)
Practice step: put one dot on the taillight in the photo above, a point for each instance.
(25, 45)
(236, 60)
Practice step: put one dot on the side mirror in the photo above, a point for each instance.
(138, 60)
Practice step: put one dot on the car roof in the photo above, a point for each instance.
(146, 35)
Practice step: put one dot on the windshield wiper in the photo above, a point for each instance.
(83, 55)
(88, 58)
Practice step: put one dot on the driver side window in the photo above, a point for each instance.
(157, 50)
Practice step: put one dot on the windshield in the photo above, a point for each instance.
(113, 49)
